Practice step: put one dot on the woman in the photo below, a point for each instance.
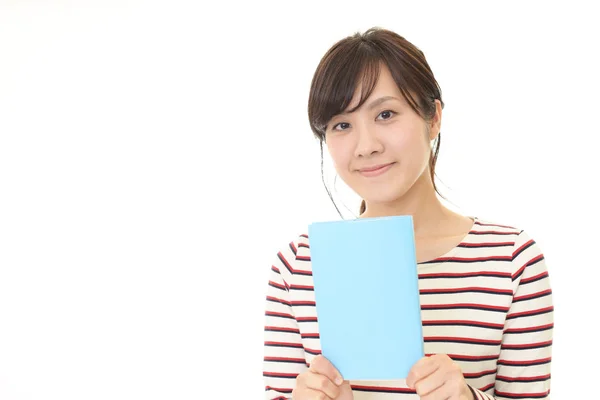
(486, 301)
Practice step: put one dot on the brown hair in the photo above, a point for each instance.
(356, 60)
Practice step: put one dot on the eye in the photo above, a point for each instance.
(387, 114)
(342, 125)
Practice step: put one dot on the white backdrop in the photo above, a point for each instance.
(154, 157)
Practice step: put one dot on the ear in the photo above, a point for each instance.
(436, 122)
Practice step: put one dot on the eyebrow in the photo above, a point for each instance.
(375, 103)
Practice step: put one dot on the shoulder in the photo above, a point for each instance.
(291, 259)
(489, 227)
(516, 235)
(525, 251)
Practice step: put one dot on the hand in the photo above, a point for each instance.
(438, 378)
(322, 381)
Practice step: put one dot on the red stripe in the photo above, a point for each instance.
(277, 285)
(522, 346)
(525, 362)
(282, 390)
(278, 314)
(300, 287)
(485, 244)
(472, 358)
(285, 359)
(517, 251)
(519, 272)
(308, 349)
(529, 296)
(294, 249)
(287, 303)
(529, 329)
(459, 322)
(523, 378)
(501, 226)
(535, 259)
(533, 278)
(470, 288)
(499, 258)
(289, 266)
(473, 259)
(382, 388)
(287, 344)
(461, 339)
(306, 319)
(530, 312)
(281, 329)
(495, 232)
(303, 303)
(285, 262)
(487, 306)
(274, 268)
(478, 374)
(280, 374)
(465, 274)
(522, 395)
(527, 264)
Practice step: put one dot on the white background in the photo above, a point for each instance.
(154, 157)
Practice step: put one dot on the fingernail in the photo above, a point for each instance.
(339, 380)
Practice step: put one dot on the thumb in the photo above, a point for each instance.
(345, 392)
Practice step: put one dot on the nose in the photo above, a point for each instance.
(367, 142)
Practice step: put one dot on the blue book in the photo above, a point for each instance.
(367, 296)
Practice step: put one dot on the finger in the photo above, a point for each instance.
(446, 391)
(322, 384)
(310, 394)
(422, 368)
(430, 383)
(323, 366)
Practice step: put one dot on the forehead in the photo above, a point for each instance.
(385, 86)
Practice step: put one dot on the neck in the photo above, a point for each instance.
(420, 201)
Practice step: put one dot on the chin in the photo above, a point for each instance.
(388, 195)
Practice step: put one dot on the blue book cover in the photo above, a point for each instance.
(367, 296)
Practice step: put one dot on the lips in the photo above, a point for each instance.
(375, 170)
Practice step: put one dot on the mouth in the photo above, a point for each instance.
(375, 170)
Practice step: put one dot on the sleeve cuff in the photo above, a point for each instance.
(479, 395)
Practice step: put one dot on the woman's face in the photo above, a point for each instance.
(381, 149)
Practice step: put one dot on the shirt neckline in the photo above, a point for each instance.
(452, 252)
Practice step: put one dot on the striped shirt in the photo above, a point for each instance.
(487, 304)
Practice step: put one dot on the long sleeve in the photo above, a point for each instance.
(525, 353)
(284, 355)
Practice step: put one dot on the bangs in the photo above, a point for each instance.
(343, 72)
(353, 66)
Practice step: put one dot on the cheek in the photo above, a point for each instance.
(403, 142)
(408, 145)
(414, 138)
(411, 151)
(339, 154)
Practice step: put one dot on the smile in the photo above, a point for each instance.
(376, 170)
